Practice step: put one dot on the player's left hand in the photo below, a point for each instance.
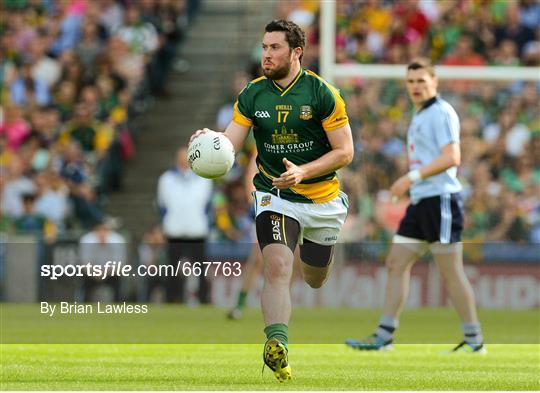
(291, 177)
(400, 186)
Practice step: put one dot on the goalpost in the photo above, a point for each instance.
(330, 70)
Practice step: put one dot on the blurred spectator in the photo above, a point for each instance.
(183, 198)
(76, 173)
(108, 97)
(93, 135)
(169, 20)
(99, 246)
(23, 33)
(234, 221)
(32, 222)
(81, 129)
(65, 99)
(529, 13)
(34, 153)
(531, 51)
(506, 131)
(153, 251)
(16, 185)
(52, 198)
(392, 145)
(89, 48)
(28, 91)
(506, 54)
(6, 153)
(413, 16)
(463, 54)
(44, 68)
(513, 29)
(68, 28)
(73, 70)
(224, 115)
(130, 66)
(509, 223)
(139, 36)
(14, 126)
(111, 15)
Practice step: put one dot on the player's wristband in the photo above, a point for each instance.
(414, 176)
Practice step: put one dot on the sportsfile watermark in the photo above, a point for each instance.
(120, 269)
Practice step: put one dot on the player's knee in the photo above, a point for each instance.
(315, 277)
(315, 282)
(397, 265)
(452, 276)
(278, 268)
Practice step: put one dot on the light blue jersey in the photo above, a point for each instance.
(433, 127)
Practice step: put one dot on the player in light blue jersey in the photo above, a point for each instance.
(434, 217)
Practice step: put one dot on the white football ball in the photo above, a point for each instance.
(211, 155)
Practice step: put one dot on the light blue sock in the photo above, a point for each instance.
(386, 328)
(472, 332)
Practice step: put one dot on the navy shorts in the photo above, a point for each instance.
(434, 219)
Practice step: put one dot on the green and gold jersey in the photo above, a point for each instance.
(292, 122)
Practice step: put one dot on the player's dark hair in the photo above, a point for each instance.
(294, 35)
(422, 63)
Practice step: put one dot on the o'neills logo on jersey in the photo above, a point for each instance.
(305, 112)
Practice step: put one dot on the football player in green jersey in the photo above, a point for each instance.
(303, 136)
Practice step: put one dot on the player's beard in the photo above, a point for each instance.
(278, 73)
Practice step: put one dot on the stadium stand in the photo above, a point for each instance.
(76, 77)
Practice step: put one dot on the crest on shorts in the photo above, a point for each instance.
(265, 200)
(305, 112)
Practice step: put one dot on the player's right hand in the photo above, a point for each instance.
(197, 133)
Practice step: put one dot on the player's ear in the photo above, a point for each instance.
(297, 52)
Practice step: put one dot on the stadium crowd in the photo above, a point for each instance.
(453, 32)
(75, 76)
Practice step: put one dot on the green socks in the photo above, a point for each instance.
(279, 331)
(242, 297)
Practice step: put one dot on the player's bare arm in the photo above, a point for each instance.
(450, 157)
(340, 156)
(249, 174)
(236, 133)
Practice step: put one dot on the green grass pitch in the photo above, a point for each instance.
(326, 366)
